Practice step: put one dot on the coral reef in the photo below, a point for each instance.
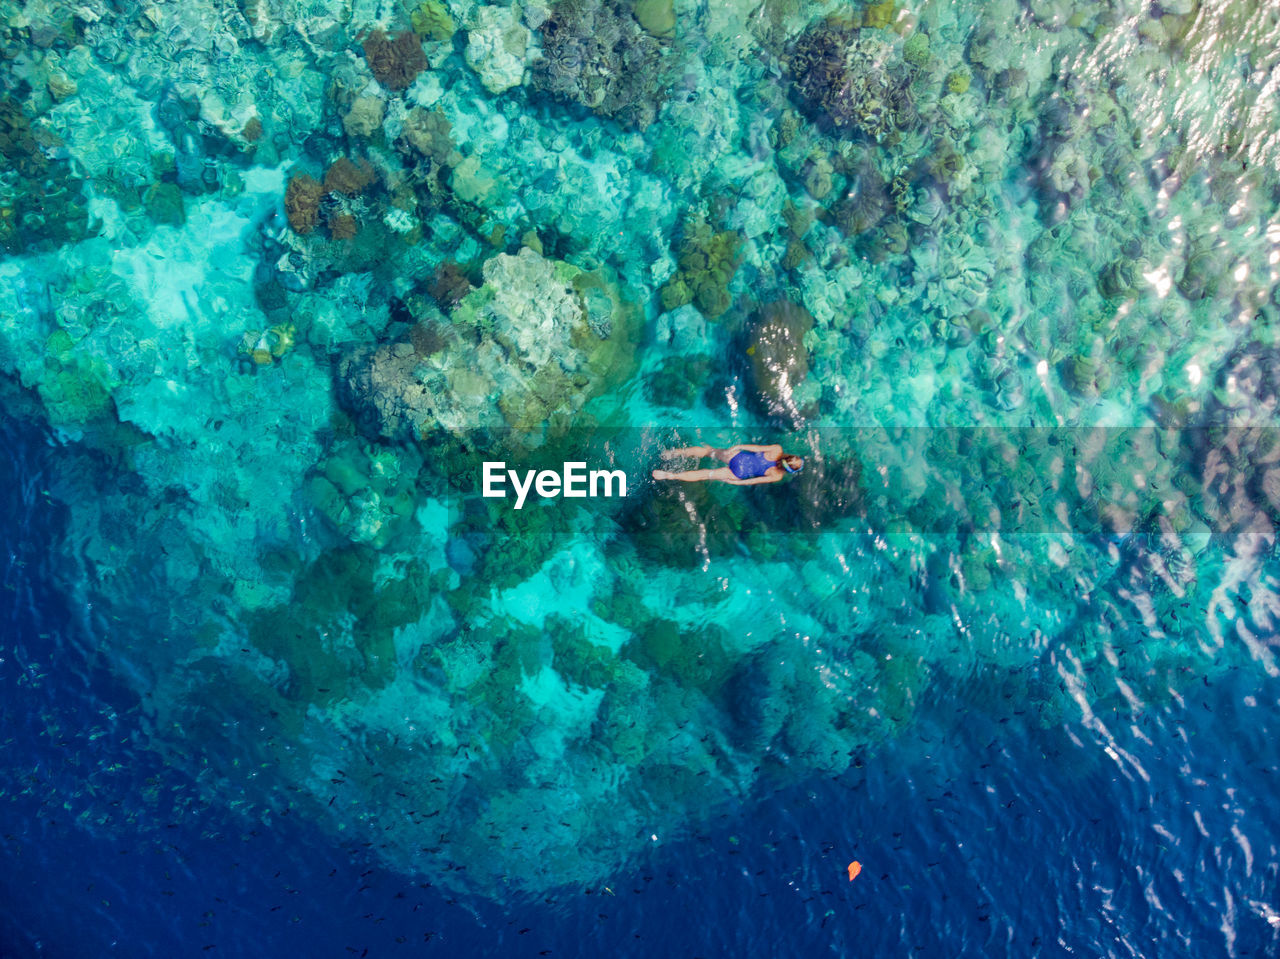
(539, 337)
(449, 285)
(707, 262)
(265, 348)
(596, 54)
(915, 49)
(395, 60)
(16, 140)
(367, 493)
(778, 357)
(877, 16)
(164, 204)
(850, 81)
(679, 381)
(427, 134)
(343, 226)
(657, 17)
(1203, 273)
(41, 203)
(865, 201)
(76, 388)
(431, 19)
(968, 233)
(302, 202)
(496, 46)
(335, 201)
(349, 178)
(364, 118)
(958, 80)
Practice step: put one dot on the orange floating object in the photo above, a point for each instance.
(855, 867)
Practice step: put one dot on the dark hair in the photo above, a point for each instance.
(791, 463)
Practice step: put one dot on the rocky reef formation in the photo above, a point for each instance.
(539, 338)
(395, 60)
(431, 19)
(497, 43)
(596, 54)
(850, 80)
(778, 357)
(41, 201)
(707, 261)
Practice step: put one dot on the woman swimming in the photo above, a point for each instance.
(748, 465)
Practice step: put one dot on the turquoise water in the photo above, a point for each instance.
(279, 277)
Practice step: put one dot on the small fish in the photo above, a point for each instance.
(855, 867)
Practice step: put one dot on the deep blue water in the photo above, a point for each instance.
(1007, 840)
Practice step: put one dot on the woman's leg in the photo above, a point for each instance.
(686, 451)
(721, 455)
(723, 474)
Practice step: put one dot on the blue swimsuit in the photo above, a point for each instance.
(749, 465)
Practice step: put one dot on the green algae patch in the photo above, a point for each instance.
(878, 16)
(707, 261)
(74, 387)
(915, 49)
(958, 80)
(431, 19)
(658, 17)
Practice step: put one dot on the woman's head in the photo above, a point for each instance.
(791, 463)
